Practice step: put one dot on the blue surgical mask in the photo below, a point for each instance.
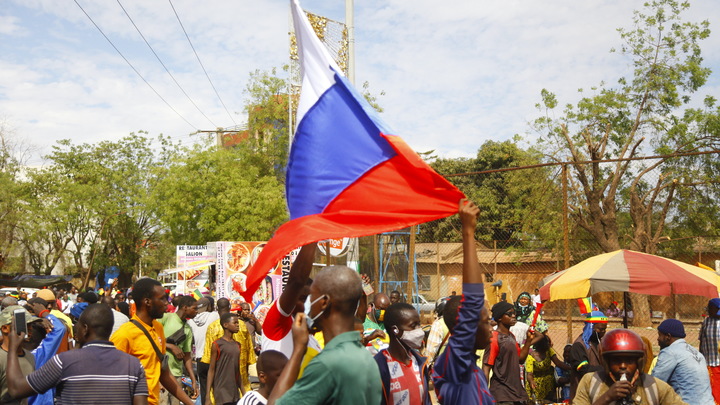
(308, 307)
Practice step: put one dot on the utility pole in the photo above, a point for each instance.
(411, 266)
(218, 134)
(566, 248)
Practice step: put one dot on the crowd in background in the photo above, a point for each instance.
(331, 339)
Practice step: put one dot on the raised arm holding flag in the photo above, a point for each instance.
(347, 175)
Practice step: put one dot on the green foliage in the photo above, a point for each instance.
(10, 195)
(92, 203)
(371, 98)
(212, 194)
(268, 114)
(514, 205)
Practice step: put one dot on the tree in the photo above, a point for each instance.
(92, 202)
(627, 204)
(268, 114)
(44, 233)
(11, 195)
(514, 205)
(212, 194)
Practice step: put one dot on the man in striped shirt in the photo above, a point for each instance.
(81, 375)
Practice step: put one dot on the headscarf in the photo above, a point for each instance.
(523, 312)
(591, 319)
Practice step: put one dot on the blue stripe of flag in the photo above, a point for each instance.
(337, 141)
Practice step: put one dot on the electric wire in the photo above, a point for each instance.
(163, 64)
(133, 67)
(201, 64)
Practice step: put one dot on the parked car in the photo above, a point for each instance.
(29, 291)
(439, 302)
(422, 304)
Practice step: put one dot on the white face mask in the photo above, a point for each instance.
(412, 338)
(308, 306)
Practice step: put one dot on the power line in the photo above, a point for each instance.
(201, 64)
(584, 162)
(161, 62)
(131, 66)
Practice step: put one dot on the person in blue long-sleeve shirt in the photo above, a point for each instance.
(457, 378)
(47, 348)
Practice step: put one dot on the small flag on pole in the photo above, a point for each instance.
(585, 305)
(197, 294)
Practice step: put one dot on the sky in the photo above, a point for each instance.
(454, 74)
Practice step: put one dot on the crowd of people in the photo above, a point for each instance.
(322, 342)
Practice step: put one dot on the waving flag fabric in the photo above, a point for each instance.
(585, 305)
(347, 175)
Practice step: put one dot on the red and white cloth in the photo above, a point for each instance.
(277, 332)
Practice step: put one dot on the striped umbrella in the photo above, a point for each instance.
(629, 271)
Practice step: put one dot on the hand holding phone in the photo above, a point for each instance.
(19, 321)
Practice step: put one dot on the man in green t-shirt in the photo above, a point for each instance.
(343, 372)
(179, 345)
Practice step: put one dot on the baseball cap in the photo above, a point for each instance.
(6, 315)
(46, 294)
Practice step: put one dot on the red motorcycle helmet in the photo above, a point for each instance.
(622, 341)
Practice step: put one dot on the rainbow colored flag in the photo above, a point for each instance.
(585, 305)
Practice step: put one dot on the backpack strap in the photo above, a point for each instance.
(437, 352)
(651, 389)
(160, 356)
(595, 383)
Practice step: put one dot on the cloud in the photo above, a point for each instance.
(9, 26)
(455, 74)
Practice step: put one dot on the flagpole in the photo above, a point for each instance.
(354, 248)
(291, 126)
(350, 23)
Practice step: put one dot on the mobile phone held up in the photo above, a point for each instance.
(19, 319)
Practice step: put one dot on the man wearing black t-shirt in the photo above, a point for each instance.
(504, 357)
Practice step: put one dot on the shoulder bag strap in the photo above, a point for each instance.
(439, 349)
(152, 342)
(178, 337)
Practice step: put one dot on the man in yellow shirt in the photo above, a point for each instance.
(151, 301)
(247, 351)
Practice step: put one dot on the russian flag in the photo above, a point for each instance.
(347, 175)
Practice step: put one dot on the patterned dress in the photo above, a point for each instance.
(543, 373)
